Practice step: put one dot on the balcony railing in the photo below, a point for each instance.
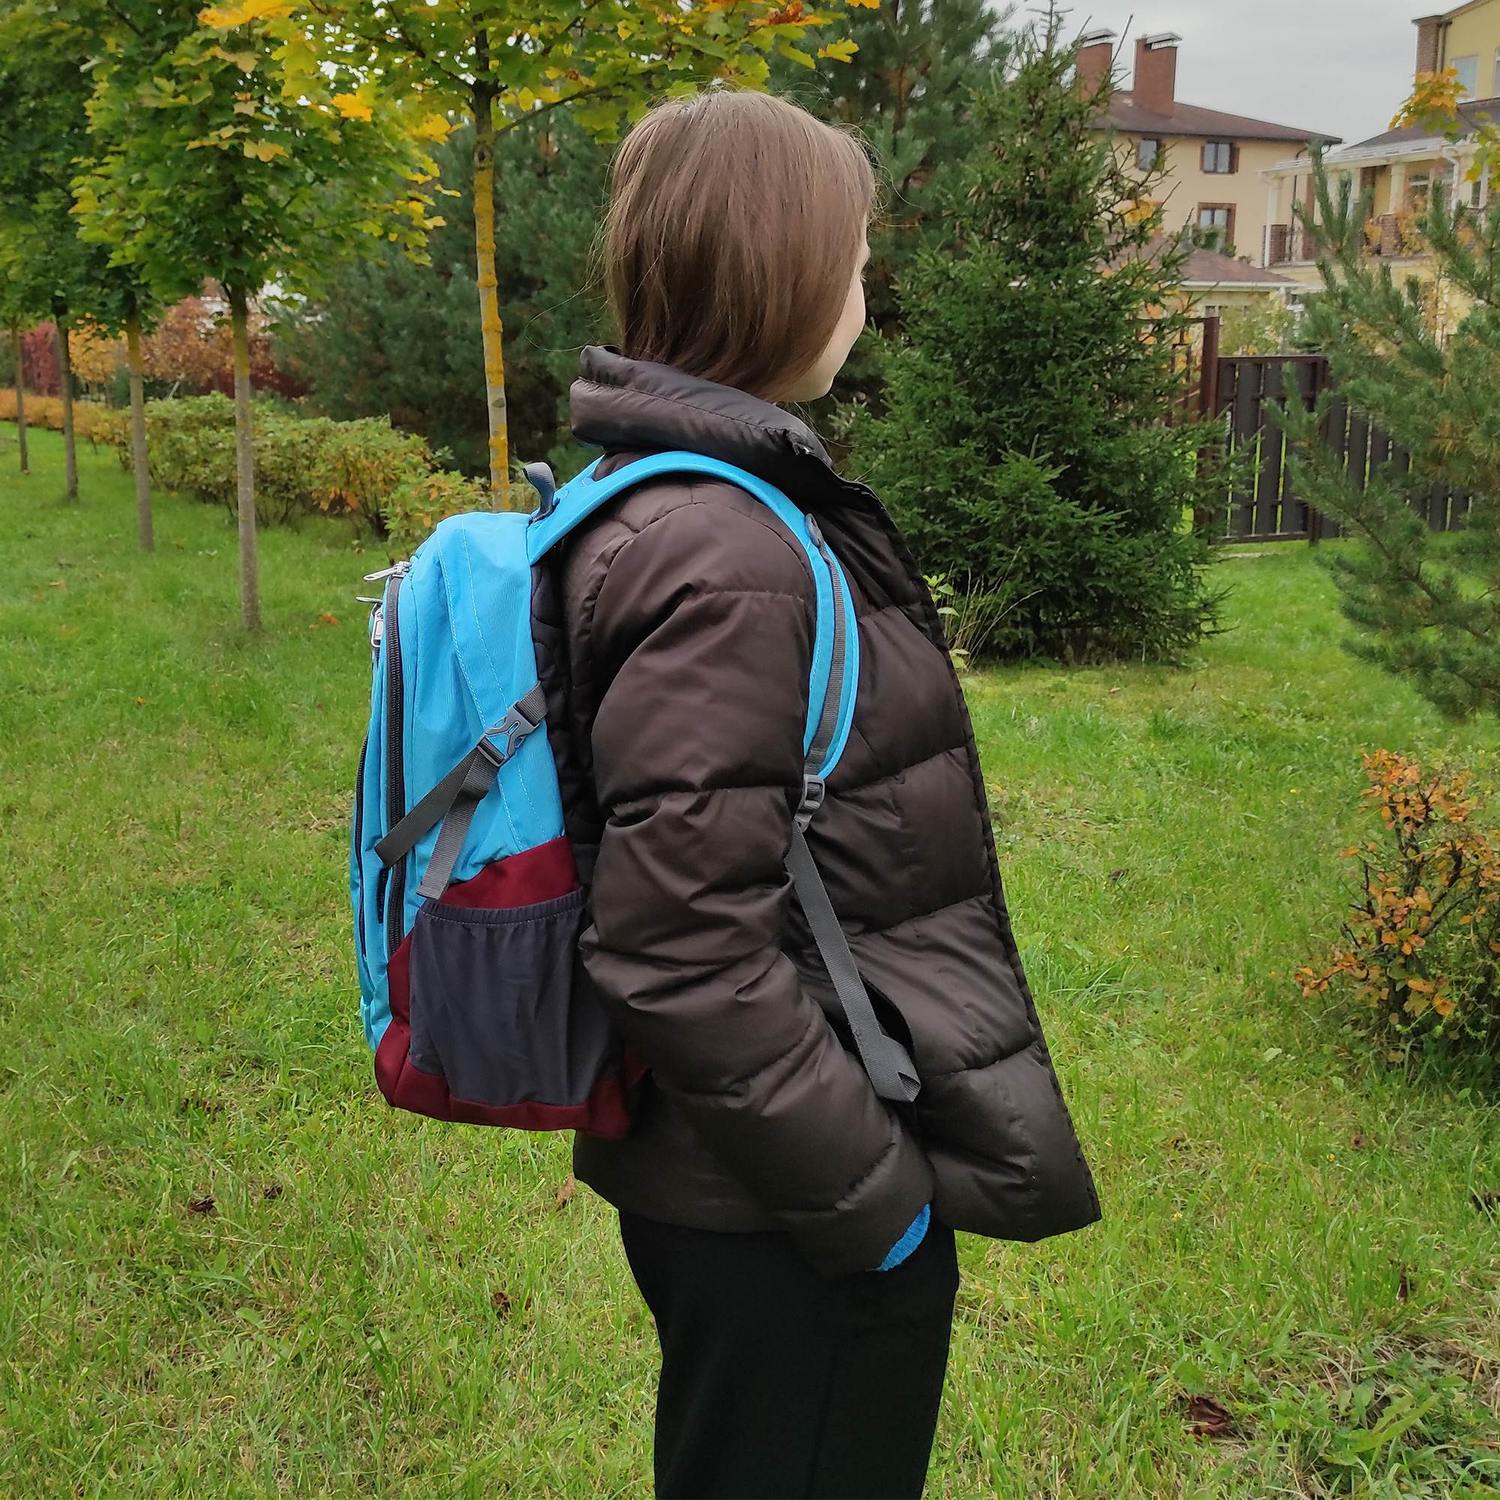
(1287, 243)
(1386, 235)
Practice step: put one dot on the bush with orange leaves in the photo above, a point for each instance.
(1421, 945)
(92, 423)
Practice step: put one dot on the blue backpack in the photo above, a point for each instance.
(467, 900)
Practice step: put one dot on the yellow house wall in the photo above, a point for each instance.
(1476, 32)
(1230, 298)
(1186, 185)
(1451, 304)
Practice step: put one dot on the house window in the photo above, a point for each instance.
(1147, 152)
(1418, 190)
(1495, 83)
(1467, 69)
(1219, 156)
(1215, 227)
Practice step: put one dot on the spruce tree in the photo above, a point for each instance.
(907, 91)
(1426, 606)
(1023, 445)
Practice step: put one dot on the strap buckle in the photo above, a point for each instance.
(813, 791)
(511, 730)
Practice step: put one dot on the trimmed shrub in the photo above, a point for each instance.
(338, 468)
(91, 422)
(418, 505)
(1421, 946)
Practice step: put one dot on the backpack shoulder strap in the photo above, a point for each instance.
(830, 711)
(835, 668)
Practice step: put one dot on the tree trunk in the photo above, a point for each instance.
(138, 432)
(244, 460)
(65, 385)
(15, 337)
(489, 294)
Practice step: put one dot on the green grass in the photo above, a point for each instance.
(375, 1305)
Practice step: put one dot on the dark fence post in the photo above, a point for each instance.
(1208, 376)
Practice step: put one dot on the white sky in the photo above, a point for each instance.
(1342, 66)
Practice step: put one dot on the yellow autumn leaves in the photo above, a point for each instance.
(1422, 937)
(226, 17)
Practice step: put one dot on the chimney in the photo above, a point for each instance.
(1429, 43)
(1155, 83)
(1096, 56)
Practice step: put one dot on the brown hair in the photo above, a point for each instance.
(734, 224)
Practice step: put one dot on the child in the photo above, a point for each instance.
(791, 1232)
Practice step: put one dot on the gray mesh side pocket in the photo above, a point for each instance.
(493, 1006)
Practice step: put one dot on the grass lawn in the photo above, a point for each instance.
(231, 1270)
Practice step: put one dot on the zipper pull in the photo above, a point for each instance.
(396, 570)
(815, 531)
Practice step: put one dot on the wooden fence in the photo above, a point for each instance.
(1264, 507)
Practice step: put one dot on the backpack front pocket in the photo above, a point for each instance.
(493, 1008)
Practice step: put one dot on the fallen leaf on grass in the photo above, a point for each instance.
(324, 619)
(1486, 1200)
(1208, 1417)
(1359, 1140)
(200, 1205)
(58, 583)
(271, 1191)
(500, 1301)
(1403, 1287)
(565, 1192)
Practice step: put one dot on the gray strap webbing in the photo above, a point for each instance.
(455, 797)
(479, 778)
(886, 1061)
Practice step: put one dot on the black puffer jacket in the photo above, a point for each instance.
(684, 614)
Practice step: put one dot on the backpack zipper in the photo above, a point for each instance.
(359, 836)
(395, 768)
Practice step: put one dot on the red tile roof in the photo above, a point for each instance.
(1206, 267)
(1209, 268)
(1191, 119)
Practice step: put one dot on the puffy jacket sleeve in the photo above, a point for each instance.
(702, 630)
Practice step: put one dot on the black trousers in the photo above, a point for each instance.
(778, 1381)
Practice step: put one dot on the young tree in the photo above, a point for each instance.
(11, 315)
(47, 269)
(1024, 443)
(389, 336)
(44, 94)
(236, 146)
(1426, 608)
(498, 62)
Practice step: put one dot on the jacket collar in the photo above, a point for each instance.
(634, 405)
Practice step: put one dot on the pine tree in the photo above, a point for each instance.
(1426, 606)
(1023, 446)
